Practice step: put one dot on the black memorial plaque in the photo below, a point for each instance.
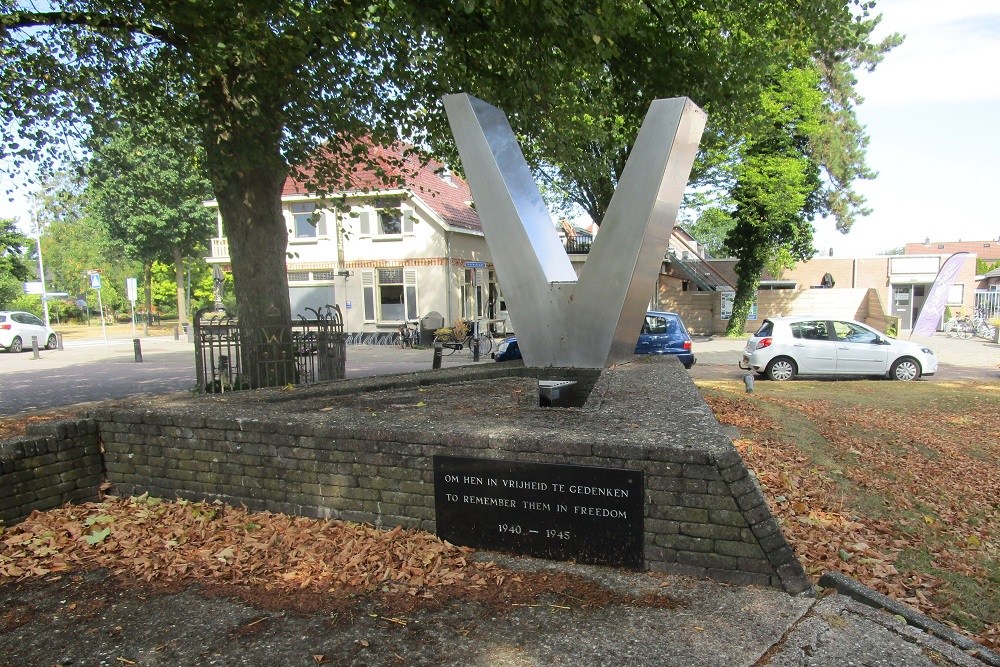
(566, 512)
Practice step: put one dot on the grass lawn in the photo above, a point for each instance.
(896, 484)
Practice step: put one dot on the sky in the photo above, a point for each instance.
(932, 113)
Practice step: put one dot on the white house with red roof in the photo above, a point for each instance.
(386, 256)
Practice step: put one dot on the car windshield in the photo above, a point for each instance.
(766, 329)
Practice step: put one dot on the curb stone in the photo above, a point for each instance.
(861, 593)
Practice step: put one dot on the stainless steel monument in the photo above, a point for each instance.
(560, 320)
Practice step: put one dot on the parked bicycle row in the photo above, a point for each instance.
(460, 335)
(977, 324)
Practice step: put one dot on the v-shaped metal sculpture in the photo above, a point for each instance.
(560, 320)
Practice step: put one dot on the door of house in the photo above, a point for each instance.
(902, 305)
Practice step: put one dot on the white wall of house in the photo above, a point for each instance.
(396, 261)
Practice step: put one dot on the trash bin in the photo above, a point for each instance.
(430, 323)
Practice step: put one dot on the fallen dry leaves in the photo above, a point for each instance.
(865, 492)
(280, 561)
(147, 539)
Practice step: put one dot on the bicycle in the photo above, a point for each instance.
(959, 328)
(458, 337)
(485, 344)
(452, 339)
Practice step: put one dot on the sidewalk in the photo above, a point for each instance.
(91, 619)
(90, 370)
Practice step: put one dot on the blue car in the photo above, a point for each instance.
(662, 333)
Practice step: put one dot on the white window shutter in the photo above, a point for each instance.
(368, 294)
(410, 293)
(365, 223)
(321, 222)
(408, 220)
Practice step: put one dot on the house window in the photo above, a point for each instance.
(475, 298)
(956, 295)
(388, 219)
(389, 295)
(389, 222)
(307, 222)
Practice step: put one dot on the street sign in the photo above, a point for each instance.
(95, 280)
(33, 287)
(475, 265)
(132, 289)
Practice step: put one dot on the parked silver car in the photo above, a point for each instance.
(17, 328)
(784, 347)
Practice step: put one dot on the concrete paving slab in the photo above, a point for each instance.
(840, 631)
(94, 620)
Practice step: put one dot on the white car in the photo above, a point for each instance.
(17, 328)
(784, 347)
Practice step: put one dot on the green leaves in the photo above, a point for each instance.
(97, 537)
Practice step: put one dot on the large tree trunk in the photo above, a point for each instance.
(745, 242)
(182, 307)
(748, 274)
(250, 203)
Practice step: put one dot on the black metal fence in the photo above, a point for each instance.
(578, 246)
(228, 358)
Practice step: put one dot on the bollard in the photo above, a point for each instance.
(475, 349)
(177, 332)
(438, 348)
(59, 344)
(138, 349)
(34, 347)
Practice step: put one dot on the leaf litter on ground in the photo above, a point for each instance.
(926, 494)
(274, 558)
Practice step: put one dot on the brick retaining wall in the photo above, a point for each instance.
(364, 453)
(362, 450)
(54, 464)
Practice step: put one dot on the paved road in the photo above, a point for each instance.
(87, 371)
(90, 370)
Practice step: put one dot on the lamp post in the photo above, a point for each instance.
(41, 266)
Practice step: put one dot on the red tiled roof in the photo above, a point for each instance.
(988, 250)
(448, 197)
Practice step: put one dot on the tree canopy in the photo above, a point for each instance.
(13, 269)
(265, 84)
(270, 82)
(145, 184)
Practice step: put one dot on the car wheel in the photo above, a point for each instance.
(51, 342)
(15, 345)
(780, 369)
(905, 370)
